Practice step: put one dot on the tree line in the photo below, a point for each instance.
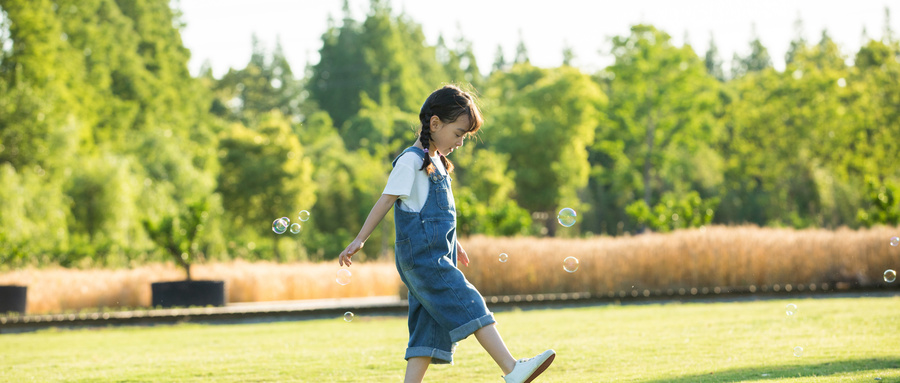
(111, 152)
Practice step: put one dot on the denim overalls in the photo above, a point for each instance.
(444, 307)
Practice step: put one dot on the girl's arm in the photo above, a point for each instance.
(375, 216)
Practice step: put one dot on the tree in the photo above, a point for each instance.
(357, 59)
(499, 60)
(88, 85)
(177, 235)
(484, 188)
(756, 61)
(787, 152)
(673, 212)
(798, 44)
(348, 184)
(265, 174)
(660, 120)
(712, 61)
(882, 201)
(544, 120)
(267, 83)
(521, 51)
(568, 55)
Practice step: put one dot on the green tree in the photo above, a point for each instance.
(568, 54)
(712, 61)
(265, 175)
(521, 51)
(883, 206)
(484, 188)
(358, 58)
(787, 152)
(544, 119)
(660, 122)
(499, 61)
(178, 235)
(798, 44)
(267, 83)
(756, 61)
(674, 212)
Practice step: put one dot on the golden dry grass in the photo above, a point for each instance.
(724, 257)
(717, 256)
(55, 290)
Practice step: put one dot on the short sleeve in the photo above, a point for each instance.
(400, 182)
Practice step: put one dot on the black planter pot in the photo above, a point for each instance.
(188, 293)
(13, 299)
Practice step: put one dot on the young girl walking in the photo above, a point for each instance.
(444, 307)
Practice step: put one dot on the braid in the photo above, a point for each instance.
(448, 166)
(425, 139)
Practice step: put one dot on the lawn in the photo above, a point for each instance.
(843, 340)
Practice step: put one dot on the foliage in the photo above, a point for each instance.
(544, 121)
(673, 213)
(177, 235)
(883, 205)
(265, 175)
(102, 128)
(660, 127)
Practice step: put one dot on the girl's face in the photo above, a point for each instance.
(448, 136)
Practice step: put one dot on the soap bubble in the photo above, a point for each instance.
(303, 216)
(791, 309)
(348, 316)
(890, 276)
(570, 264)
(343, 277)
(504, 257)
(895, 241)
(279, 226)
(566, 217)
(295, 228)
(798, 351)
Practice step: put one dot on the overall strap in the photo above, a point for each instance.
(413, 149)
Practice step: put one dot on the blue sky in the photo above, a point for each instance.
(220, 31)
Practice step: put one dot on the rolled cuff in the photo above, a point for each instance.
(437, 356)
(462, 332)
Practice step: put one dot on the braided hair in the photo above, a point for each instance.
(447, 103)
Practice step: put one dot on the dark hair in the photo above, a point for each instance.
(447, 103)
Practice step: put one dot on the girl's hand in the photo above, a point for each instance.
(351, 249)
(461, 254)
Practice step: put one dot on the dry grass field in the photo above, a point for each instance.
(714, 257)
(56, 290)
(723, 257)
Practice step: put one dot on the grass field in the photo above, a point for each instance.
(843, 340)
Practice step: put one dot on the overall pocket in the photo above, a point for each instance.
(441, 194)
(404, 255)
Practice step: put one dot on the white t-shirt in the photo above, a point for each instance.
(410, 183)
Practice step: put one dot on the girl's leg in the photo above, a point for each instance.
(415, 369)
(490, 339)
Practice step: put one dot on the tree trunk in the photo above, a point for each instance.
(648, 157)
(181, 261)
(551, 223)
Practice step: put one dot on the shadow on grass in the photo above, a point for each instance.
(763, 373)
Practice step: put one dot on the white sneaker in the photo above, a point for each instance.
(528, 369)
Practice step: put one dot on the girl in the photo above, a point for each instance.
(444, 307)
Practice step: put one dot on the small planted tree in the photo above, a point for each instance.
(177, 234)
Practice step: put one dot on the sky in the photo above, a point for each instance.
(219, 32)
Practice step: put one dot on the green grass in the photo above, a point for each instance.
(844, 340)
